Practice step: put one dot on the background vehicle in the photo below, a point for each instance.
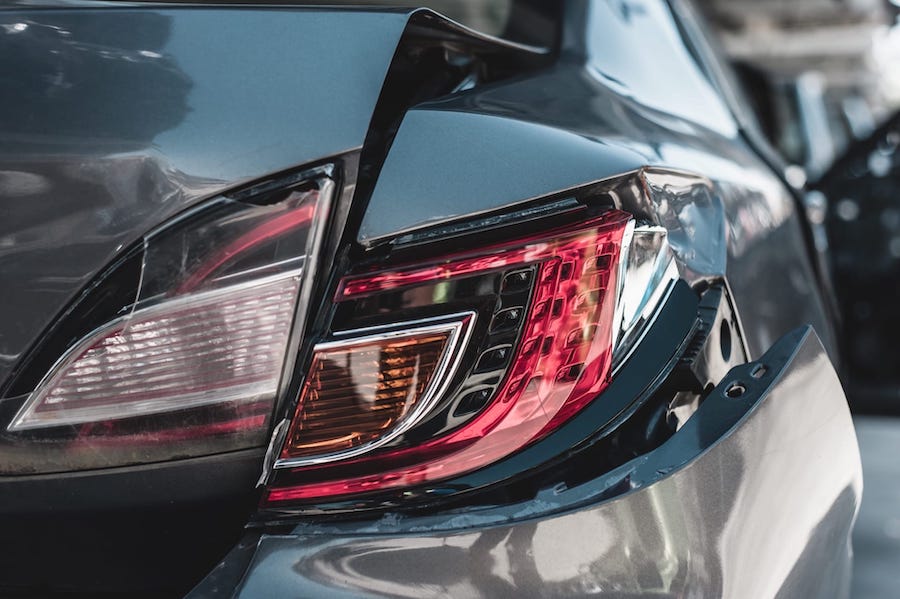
(556, 310)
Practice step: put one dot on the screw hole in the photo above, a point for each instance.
(735, 390)
(759, 371)
(725, 340)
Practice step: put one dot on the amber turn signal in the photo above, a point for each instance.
(368, 390)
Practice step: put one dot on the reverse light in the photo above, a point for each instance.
(560, 357)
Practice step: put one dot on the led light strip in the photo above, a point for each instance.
(562, 361)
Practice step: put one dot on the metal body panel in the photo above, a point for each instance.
(611, 104)
(733, 505)
(112, 120)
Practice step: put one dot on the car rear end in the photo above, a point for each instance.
(426, 313)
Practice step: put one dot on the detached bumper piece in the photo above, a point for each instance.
(730, 506)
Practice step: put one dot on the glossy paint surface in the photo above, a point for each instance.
(112, 120)
(628, 92)
(734, 505)
(863, 239)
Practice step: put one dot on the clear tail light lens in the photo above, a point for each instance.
(196, 357)
(566, 326)
(222, 346)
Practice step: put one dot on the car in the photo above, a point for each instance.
(363, 301)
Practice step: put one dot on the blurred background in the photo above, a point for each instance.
(838, 58)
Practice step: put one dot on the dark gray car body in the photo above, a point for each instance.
(114, 119)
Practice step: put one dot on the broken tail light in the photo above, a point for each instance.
(551, 315)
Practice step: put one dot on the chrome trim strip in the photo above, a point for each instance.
(298, 261)
(460, 328)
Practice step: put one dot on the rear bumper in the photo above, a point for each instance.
(754, 497)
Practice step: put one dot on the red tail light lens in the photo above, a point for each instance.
(561, 359)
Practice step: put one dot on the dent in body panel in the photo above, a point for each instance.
(115, 119)
(733, 505)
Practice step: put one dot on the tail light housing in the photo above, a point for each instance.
(191, 356)
(550, 315)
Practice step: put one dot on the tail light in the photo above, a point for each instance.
(430, 369)
(192, 360)
(548, 319)
(215, 348)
